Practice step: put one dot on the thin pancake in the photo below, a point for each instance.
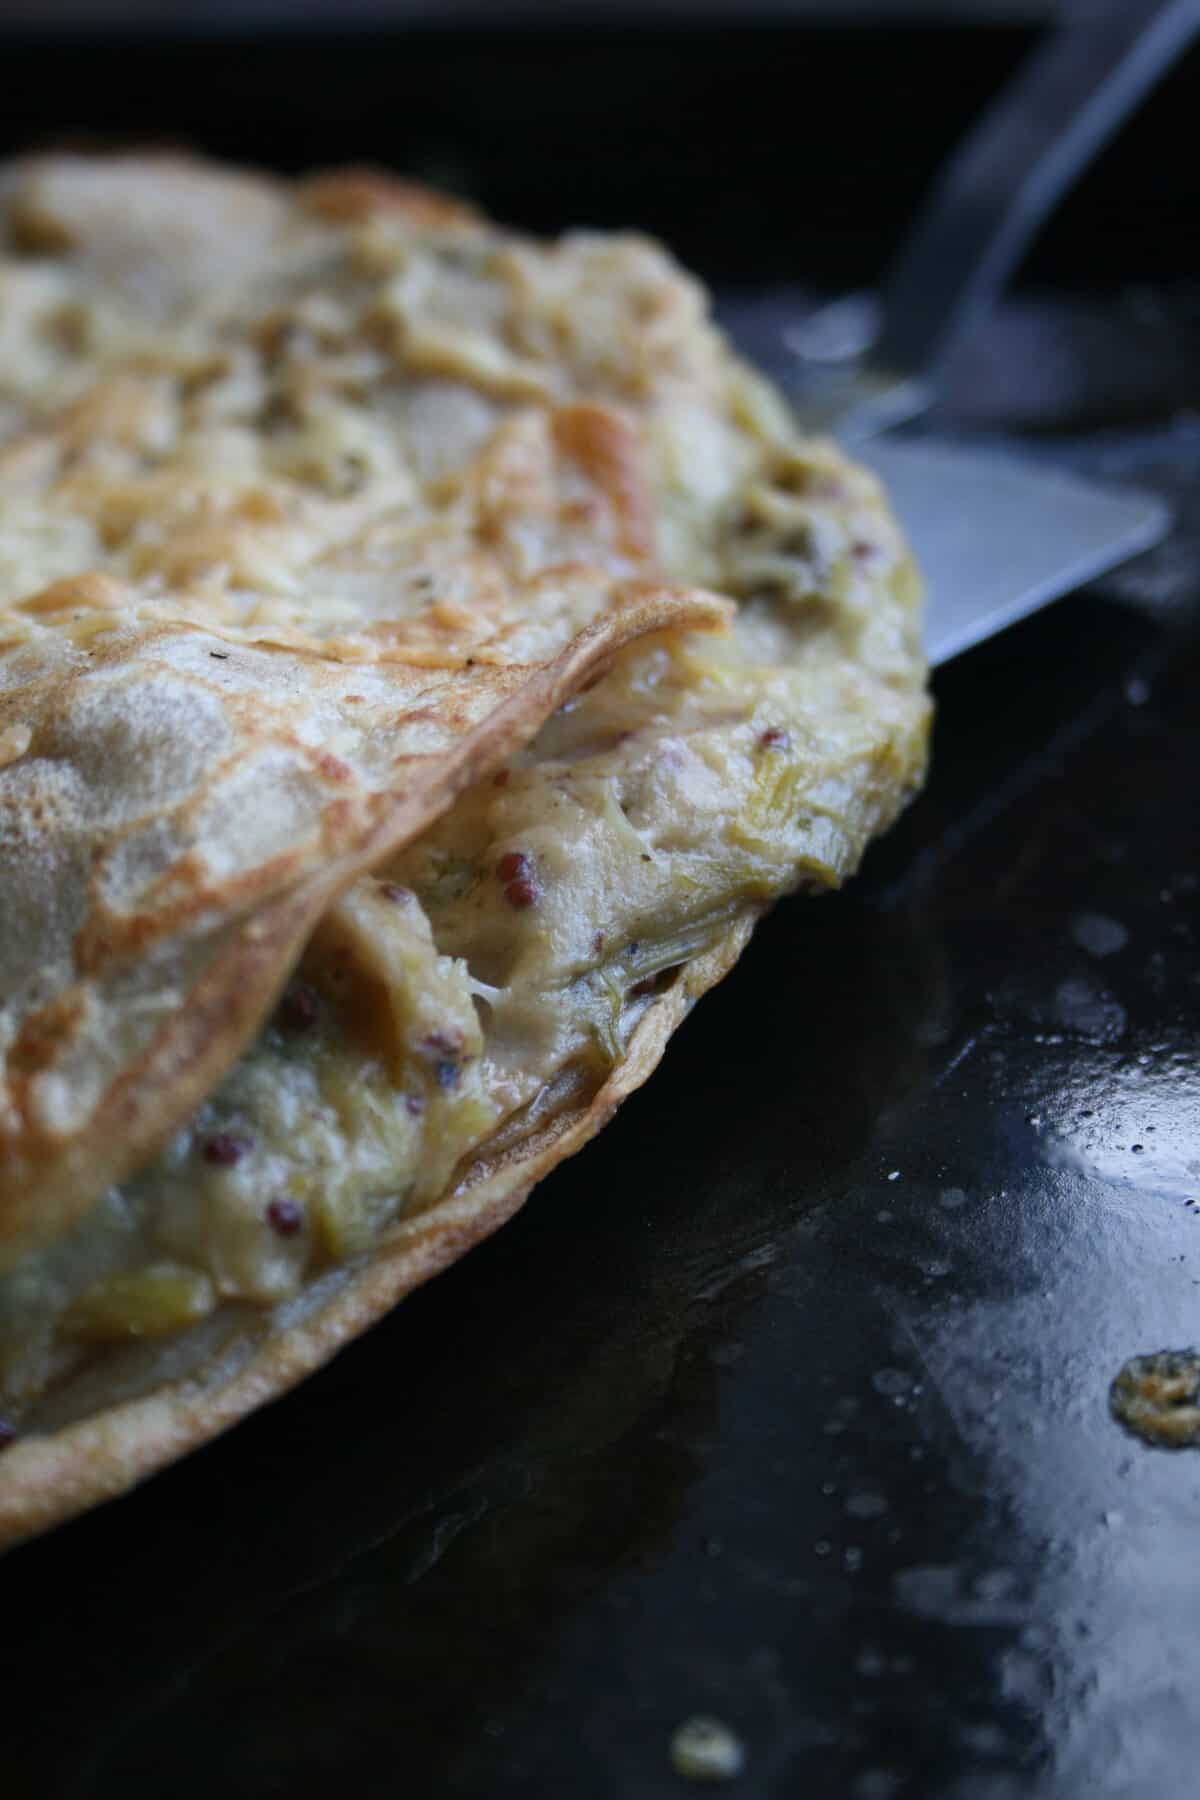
(354, 487)
(182, 814)
(47, 1480)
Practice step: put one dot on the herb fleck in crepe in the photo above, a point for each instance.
(423, 655)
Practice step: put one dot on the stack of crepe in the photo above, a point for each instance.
(424, 655)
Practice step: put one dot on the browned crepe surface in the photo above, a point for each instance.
(316, 502)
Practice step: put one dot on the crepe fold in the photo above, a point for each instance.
(443, 632)
(181, 814)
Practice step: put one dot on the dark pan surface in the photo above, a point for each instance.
(787, 1401)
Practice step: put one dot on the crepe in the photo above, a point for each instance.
(424, 654)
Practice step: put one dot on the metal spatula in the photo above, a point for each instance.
(997, 537)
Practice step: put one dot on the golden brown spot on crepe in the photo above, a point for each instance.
(93, 589)
(15, 740)
(608, 448)
(349, 196)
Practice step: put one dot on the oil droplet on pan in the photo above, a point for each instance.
(1157, 1397)
(706, 1750)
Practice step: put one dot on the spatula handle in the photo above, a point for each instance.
(1015, 165)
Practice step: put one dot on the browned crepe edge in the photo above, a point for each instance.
(52, 1183)
(47, 1480)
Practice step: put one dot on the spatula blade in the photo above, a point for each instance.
(997, 537)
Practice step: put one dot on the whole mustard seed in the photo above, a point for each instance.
(523, 892)
(512, 866)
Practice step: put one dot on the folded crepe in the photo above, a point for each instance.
(424, 654)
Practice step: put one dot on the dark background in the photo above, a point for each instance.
(761, 152)
(786, 1402)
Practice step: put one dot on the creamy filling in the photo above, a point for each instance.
(342, 436)
(492, 974)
